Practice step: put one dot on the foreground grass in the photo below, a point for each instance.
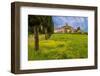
(59, 46)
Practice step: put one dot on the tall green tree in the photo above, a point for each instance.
(48, 26)
(42, 24)
(34, 22)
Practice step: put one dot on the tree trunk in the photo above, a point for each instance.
(46, 35)
(36, 37)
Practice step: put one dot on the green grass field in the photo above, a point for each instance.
(59, 46)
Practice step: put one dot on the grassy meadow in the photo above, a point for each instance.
(59, 46)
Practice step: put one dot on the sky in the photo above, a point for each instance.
(73, 21)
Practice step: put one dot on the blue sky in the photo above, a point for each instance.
(73, 21)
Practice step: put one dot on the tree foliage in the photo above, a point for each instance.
(44, 23)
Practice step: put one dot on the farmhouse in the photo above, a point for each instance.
(65, 29)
